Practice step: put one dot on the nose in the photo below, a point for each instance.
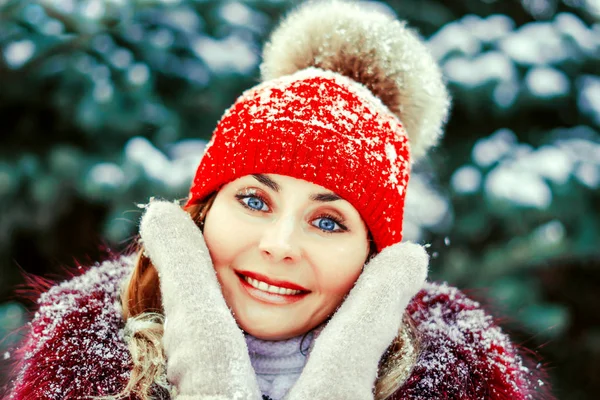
(278, 242)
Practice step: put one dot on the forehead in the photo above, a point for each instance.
(280, 183)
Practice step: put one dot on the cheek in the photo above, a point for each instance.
(338, 268)
(222, 235)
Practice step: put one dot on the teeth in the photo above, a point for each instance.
(270, 288)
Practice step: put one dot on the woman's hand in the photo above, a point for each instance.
(207, 356)
(344, 360)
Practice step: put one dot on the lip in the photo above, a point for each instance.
(273, 282)
(270, 298)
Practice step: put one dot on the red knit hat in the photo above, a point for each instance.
(308, 122)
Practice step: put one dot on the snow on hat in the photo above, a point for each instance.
(350, 98)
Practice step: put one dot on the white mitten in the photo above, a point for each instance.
(344, 360)
(207, 356)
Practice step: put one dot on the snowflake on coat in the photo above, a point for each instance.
(75, 347)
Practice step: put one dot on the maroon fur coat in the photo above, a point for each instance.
(75, 348)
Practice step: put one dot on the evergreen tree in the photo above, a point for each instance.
(104, 103)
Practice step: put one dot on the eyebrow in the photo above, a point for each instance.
(321, 197)
(265, 180)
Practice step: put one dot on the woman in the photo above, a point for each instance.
(285, 275)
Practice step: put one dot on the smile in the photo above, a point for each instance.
(270, 288)
(270, 294)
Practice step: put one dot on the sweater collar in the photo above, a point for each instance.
(279, 356)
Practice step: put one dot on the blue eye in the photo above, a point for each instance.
(254, 203)
(327, 224)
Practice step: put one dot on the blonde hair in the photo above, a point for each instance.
(142, 311)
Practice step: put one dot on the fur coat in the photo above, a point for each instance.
(75, 346)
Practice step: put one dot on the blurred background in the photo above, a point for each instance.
(104, 103)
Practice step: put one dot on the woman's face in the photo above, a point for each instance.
(273, 233)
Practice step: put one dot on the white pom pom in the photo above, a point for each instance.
(371, 48)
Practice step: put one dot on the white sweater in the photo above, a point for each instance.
(278, 364)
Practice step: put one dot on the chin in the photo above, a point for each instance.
(269, 332)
